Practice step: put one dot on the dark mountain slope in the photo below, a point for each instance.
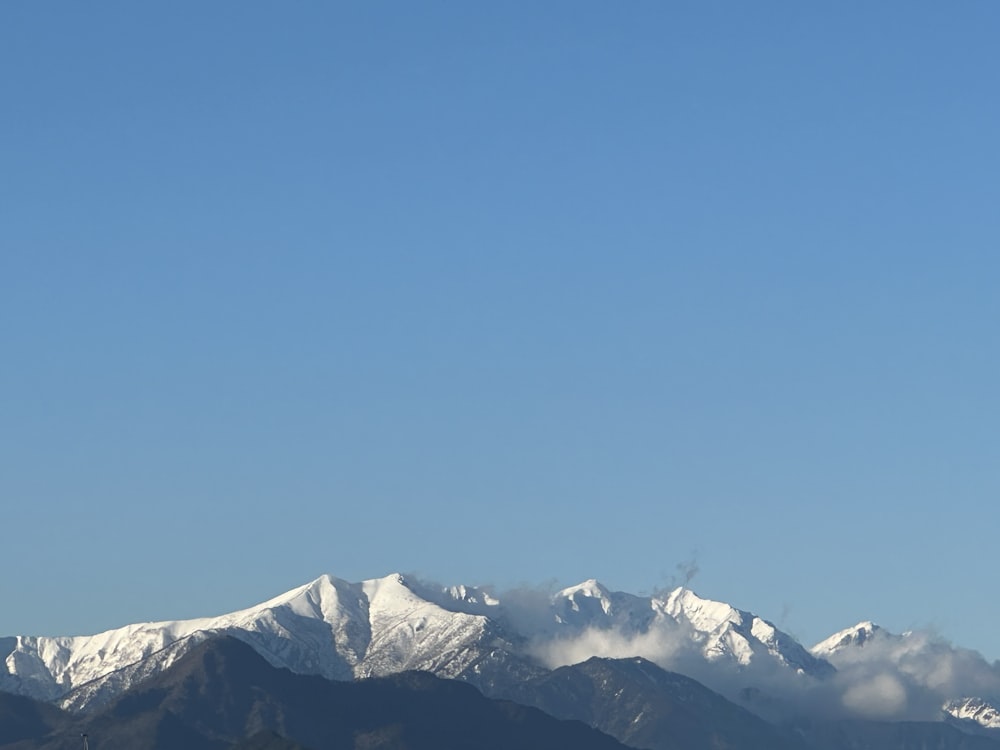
(222, 693)
(645, 706)
(267, 740)
(896, 735)
(23, 718)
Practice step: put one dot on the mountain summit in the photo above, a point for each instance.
(858, 635)
(344, 631)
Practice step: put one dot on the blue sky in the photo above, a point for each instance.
(509, 293)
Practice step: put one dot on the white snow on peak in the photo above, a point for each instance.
(718, 631)
(329, 627)
(410, 632)
(704, 615)
(589, 589)
(318, 598)
(982, 712)
(390, 587)
(591, 605)
(344, 630)
(857, 635)
(471, 595)
(725, 632)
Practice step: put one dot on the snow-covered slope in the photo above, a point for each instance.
(409, 632)
(329, 627)
(982, 712)
(590, 604)
(343, 630)
(727, 633)
(858, 635)
(719, 632)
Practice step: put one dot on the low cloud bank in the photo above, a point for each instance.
(906, 678)
(880, 697)
(888, 678)
(912, 676)
(609, 644)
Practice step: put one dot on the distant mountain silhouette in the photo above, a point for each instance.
(645, 706)
(892, 735)
(223, 694)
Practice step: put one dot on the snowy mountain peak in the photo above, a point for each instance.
(704, 615)
(471, 595)
(587, 604)
(589, 589)
(857, 635)
(345, 630)
(394, 584)
(726, 632)
(983, 712)
(591, 605)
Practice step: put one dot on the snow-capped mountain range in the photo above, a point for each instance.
(343, 630)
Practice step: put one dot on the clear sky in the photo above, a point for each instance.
(501, 292)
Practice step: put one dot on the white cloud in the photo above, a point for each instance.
(655, 645)
(879, 697)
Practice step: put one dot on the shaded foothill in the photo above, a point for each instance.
(24, 718)
(891, 735)
(223, 694)
(646, 706)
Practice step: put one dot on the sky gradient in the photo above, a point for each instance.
(501, 293)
